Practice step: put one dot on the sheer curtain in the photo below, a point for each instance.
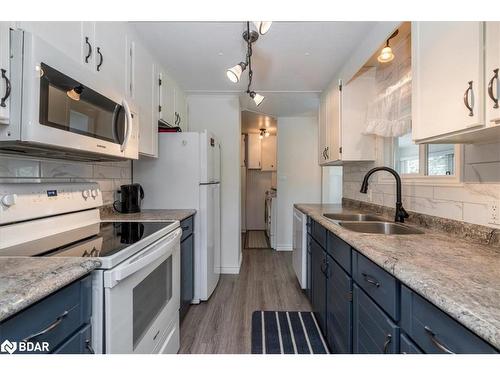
(389, 114)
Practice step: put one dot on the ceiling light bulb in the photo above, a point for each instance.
(257, 98)
(260, 136)
(262, 26)
(234, 73)
(266, 134)
(386, 54)
(75, 93)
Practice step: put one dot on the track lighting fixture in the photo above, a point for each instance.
(234, 73)
(386, 55)
(75, 92)
(262, 26)
(257, 98)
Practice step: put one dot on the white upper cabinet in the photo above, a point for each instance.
(4, 73)
(254, 151)
(180, 112)
(448, 78)
(166, 106)
(492, 73)
(329, 125)
(110, 56)
(342, 120)
(268, 153)
(143, 95)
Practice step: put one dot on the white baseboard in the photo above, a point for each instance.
(284, 248)
(230, 270)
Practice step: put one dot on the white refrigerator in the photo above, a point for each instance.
(186, 175)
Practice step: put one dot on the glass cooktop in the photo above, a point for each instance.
(101, 239)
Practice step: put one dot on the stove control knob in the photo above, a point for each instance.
(85, 194)
(94, 193)
(9, 200)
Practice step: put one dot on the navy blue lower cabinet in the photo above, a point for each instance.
(51, 322)
(338, 309)
(406, 346)
(187, 275)
(308, 268)
(373, 331)
(80, 342)
(434, 331)
(318, 292)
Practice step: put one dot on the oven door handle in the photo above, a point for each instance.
(128, 122)
(142, 260)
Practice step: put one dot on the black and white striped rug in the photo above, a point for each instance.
(286, 332)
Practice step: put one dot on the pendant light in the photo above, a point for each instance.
(386, 55)
(234, 73)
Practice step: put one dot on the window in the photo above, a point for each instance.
(422, 160)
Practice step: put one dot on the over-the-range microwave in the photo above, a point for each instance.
(54, 111)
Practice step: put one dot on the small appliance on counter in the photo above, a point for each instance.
(131, 196)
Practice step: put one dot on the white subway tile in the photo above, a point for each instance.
(19, 168)
(471, 193)
(477, 214)
(65, 170)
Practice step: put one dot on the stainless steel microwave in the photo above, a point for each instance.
(56, 113)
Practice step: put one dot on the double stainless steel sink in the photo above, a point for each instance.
(366, 223)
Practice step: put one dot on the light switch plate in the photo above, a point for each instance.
(494, 212)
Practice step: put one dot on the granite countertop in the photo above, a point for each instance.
(108, 214)
(26, 280)
(461, 278)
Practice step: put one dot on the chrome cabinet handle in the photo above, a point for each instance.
(388, 339)
(7, 89)
(324, 270)
(101, 59)
(490, 88)
(89, 347)
(49, 328)
(436, 342)
(466, 99)
(370, 279)
(89, 50)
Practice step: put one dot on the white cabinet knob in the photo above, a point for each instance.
(85, 194)
(9, 200)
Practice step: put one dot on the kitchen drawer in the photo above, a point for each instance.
(318, 232)
(79, 343)
(187, 226)
(406, 346)
(379, 284)
(340, 251)
(65, 311)
(373, 331)
(435, 331)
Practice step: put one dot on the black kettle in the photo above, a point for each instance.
(131, 196)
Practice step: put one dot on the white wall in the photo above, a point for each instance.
(299, 175)
(258, 183)
(221, 115)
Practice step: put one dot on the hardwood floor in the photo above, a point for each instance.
(223, 324)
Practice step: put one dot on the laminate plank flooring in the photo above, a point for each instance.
(223, 323)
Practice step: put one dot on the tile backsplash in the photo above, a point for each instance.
(109, 175)
(466, 202)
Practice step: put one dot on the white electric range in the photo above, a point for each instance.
(136, 291)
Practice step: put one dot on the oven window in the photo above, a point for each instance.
(68, 105)
(150, 297)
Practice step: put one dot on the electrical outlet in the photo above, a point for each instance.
(494, 212)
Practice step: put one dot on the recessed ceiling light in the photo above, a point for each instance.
(307, 54)
(220, 53)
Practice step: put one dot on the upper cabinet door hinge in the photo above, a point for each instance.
(159, 81)
(340, 150)
(159, 108)
(340, 86)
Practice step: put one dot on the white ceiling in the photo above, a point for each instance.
(292, 63)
